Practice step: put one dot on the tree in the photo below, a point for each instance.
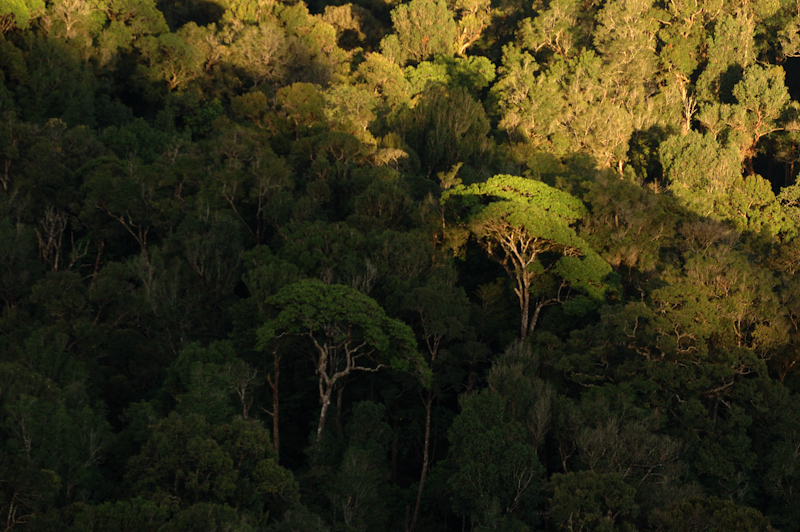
(447, 127)
(524, 224)
(76, 18)
(474, 17)
(355, 25)
(204, 381)
(261, 52)
(423, 28)
(248, 176)
(190, 462)
(349, 333)
(18, 262)
(760, 108)
(626, 39)
(473, 74)
(333, 252)
(350, 109)
(443, 313)
(529, 104)
(561, 29)
(385, 79)
(358, 490)
(172, 58)
(304, 105)
(711, 513)
(52, 441)
(585, 500)
(580, 104)
(265, 275)
(18, 13)
(729, 52)
(134, 514)
(628, 224)
(496, 475)
(705, 176)
(699, 170)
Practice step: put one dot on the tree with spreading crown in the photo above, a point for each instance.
(523, 225)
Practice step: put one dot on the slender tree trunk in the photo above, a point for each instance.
(523, 291)
(535, 319)
(395, 441)
(274, 382)
(425, 458)
(339, 394)
(100, 246)
(523, 306)
(325, 398)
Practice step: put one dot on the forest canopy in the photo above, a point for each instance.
(390, 265)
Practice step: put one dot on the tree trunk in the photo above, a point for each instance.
(395, 442)
(535, 319)
(523, 332)
(325, 399)
(523, 290)
(425, 459)
(273, 384)
(339, 394)
(100, 246)
(524, 307)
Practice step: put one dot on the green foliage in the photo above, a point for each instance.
(386, 79)
(256, 210)
(704, 513)
(446, 127)
(423, 29)
(576, 104)
(584, 500)
(628, 224)
(350, 109)
(261, 51)
(496, 474)
(358, 490)
(17, 257)
(528, 222)
(522, 96)
(339, 317)
(327, 251)
(557, 28)
(172, 59)
(223, 467)
(52, 440)
(18, 13)
(472, 73)
(529, 398)
(626, 37)
(348, 331)
(700, 171)
(304, 105)
(758, 107)
(730, 51)
(211, 382)
(126, 516)
(208, 516)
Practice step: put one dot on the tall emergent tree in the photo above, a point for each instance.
(348, 332)
(524, 222)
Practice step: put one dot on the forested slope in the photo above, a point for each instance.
(433, 265)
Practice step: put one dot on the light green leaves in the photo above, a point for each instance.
(527, 221)
(542, 212)
(18, 13)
